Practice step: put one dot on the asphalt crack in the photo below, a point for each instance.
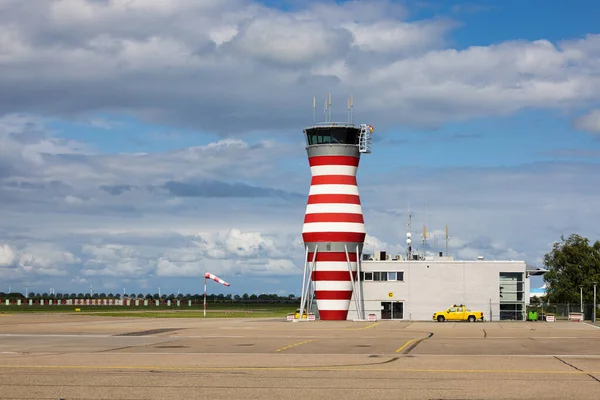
(578, 369)
(416, 343)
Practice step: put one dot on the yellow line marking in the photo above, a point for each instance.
(370, 326)
(404, 345)
(363, 328)
(316, 368)
(295, 344)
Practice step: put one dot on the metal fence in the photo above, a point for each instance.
(562, 311)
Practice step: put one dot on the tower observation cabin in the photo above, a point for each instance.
(336, 133)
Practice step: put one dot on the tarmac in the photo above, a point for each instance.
(76, 356)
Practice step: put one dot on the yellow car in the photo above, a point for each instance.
(458, 313)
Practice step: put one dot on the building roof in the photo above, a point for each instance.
(533, 270)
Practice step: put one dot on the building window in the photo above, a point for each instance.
(400, 276)
(391, 276)
(511, 293)
(368, 276)
(380, 276)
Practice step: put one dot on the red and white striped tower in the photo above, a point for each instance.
(334, 230)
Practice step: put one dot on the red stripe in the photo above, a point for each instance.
(332, 275)
(334, 180)
(354, 237)
(334, 217)
(333, 294)
(333, 256)
(333, 198)
(333, 160)
(333, 315)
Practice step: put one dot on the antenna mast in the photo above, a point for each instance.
(423, 239)
(446, 239)
(408, 237)
(350, 107)
(349, 116)
(329, 107)
(314, 109)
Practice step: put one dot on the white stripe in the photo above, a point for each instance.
(324, 305)
(333, 208)
(334, 265)
(352, 227)
(333, 170)
(333, 285)
(333, 189)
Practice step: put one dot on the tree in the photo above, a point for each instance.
(571, 263)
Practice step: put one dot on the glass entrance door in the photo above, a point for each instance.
(397, 310)
(392, 310)
(386, 310)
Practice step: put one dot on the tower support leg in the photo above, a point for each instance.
(308, 269)
(352, 280)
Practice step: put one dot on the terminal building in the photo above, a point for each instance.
(397, 287)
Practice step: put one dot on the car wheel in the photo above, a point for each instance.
(471, 318)
(441, 318)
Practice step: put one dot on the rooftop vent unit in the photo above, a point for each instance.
(480, 258)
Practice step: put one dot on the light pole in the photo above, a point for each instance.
(581, 298)
(594, 314)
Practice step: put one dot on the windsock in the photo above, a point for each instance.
(215, 278)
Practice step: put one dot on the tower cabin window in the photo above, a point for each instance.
(332, 135)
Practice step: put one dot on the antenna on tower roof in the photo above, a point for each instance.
(329, 107)
(314, 109)
(350, 107)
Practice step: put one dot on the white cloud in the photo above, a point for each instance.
(72, 214)
(7, 256)
(229, 66)
(589, 122)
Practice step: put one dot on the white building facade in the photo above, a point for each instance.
(412, 290)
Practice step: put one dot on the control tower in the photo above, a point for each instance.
(333, 230)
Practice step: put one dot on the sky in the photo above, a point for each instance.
(144, 142)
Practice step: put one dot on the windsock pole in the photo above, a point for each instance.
(214, 278)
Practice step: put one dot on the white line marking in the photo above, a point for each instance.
(593, 326)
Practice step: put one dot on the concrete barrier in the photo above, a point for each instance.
(576, 317)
